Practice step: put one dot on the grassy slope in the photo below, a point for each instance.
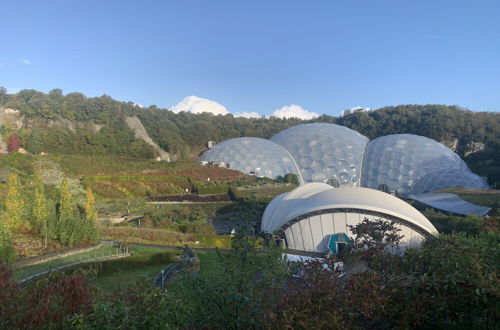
(107, 283)
(110, 282)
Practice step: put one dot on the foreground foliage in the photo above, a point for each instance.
(450, 282)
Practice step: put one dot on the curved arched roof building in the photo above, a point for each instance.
(309, 215)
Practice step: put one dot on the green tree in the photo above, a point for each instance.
(90, 216)
(40, 210)
(66, 214)
(7, 253)
(376, 234)
(14, 215)
(291, 178)
(244, 293)
(3, 95)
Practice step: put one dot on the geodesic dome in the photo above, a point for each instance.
(325, 152)
(449, 178)
(253, 156)
(400, 160)
(339, 156)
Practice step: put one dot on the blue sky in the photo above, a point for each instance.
(258, 56)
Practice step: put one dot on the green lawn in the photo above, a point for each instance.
(111, 282)
(144, 265)
(209, 263)
(138, 250)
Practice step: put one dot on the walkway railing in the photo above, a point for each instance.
(187, 261)
(87, 257)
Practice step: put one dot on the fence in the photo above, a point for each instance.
(53, 256)
(103, 253)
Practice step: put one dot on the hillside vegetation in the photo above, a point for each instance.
(178, 133)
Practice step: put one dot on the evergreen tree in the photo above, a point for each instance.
(14, 215)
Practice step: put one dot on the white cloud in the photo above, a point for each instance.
(24, 61)
(294, 111)
(247, 114)
(197, 104)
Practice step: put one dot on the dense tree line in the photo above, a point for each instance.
(438, 122)
(186, 133)
(62, 221)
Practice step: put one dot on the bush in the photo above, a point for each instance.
(196, 228)
(7, 253)
(212, 190)
(44, 305)
(470, 224)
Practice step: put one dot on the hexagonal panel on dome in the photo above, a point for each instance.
(325, 151)
(400, 160)
(249, 154)
(449, 178)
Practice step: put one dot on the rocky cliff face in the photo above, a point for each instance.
(464, 149)
(140, 133)
(451, 143)
(9, 118)
(473, 147)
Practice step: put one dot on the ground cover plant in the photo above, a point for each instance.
(164, 237)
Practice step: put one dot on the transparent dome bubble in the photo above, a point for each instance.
(448, 178)
(400, 160)
(248, 154)
(331, 150)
